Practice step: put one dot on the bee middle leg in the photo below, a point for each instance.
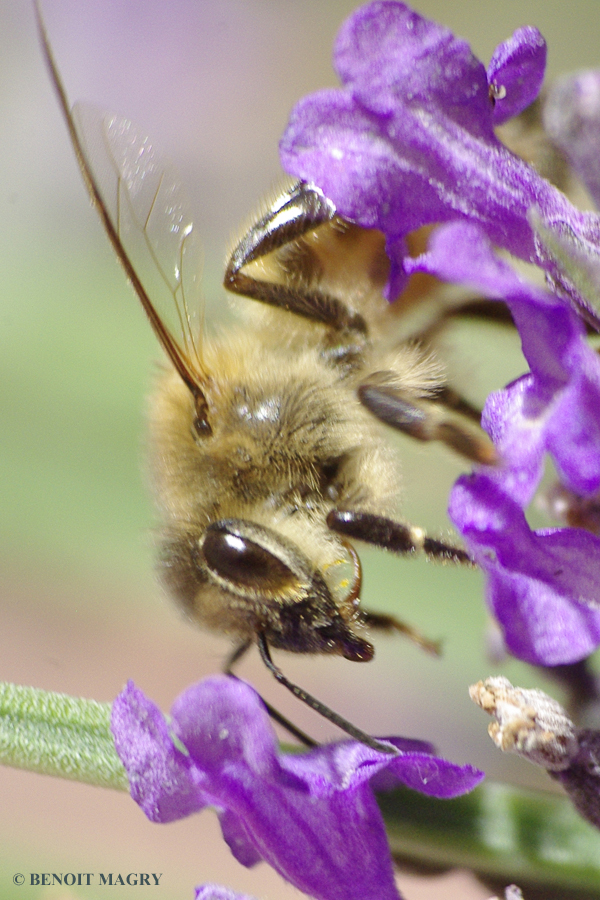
(455, 402)
(428, 420)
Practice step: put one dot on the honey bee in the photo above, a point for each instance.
(269, 443)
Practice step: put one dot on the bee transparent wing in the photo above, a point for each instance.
(148, 221)
(151, 218)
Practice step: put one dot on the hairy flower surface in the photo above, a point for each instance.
(409, 139)
(542, 586)
(311, 816)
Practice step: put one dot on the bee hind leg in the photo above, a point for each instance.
(301, 210)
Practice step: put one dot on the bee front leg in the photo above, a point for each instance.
(235, 656)
(357, 733)
(274, 714)
(387, 623)
(397, 538)
(319, 707)
(393, 536)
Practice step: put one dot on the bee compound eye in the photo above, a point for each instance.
(236, 558)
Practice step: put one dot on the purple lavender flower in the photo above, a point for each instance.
(313, 817)
(409, 139)
(543, 587)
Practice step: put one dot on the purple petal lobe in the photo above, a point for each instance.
(431, 775)
(331, 140)
(223, 718)
(514, 421)
(385, 54)
(543, 587)
(572, 119)
(516, 72)
(159, 774)
(216, 892)
(238, 840)
(573, 432)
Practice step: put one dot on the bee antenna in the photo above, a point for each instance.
(315, 704)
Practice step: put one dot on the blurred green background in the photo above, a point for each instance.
(81, 612)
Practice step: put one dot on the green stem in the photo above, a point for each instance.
(498, 831)
(54, 734)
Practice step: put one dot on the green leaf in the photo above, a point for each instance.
(54, 734)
